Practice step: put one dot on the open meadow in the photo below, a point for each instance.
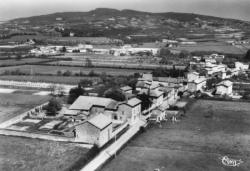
(219, 47)
(42, 69)
(196, 143)
(25, 154)
(12, 105)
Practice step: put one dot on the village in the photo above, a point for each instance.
(117, 89)
(96, 121)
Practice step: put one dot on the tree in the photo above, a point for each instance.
(247, 56)
(88, 63)
(18, 57)
(63, 49)
(115, 94)
(184, 54)
(146, 102)
(67, 73)
(210, 84)
(53, 107)
(164, 52)
(74, 93)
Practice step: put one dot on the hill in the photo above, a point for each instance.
(128, 23)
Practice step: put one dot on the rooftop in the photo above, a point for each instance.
(126, 88)
(100, 121)
(225, 83)
(156, 93)
(133, 102)
(87, 102)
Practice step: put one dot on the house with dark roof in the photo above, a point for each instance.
(97, 130)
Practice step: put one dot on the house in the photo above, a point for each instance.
(143, 86)
(191, 76)
(89, 105)
(97, 130)
(158, 114)
(197, 85)
(241, 66)
(156, 97)
(126, 89)
(224, 88)
(129, 111)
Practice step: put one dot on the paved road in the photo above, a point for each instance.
(113, 148)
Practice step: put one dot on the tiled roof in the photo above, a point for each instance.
(155, 93)
(86, 102)
(100, 121)
(133, 102)
(126, 88)
(226, 83)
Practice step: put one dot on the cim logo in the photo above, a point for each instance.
(231, 162)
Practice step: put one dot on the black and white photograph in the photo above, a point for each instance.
(124, 85)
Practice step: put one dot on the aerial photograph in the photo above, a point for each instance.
(124, 85)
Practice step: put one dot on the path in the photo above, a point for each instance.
(113, 148)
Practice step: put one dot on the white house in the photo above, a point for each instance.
(158, 114)
(224, 88)
(197, 84)
(129, 111)
(97, 130)
(191, 76)
(241, 66)
(157, 97)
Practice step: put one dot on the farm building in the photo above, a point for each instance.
(88, 105)
(97, 130)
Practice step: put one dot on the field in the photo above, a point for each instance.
(196, 143)
(211, 46)
(25, 154)
(12, 105)
(9, 62)
(42, 69)
(48, 79)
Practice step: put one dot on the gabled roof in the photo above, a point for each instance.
(133, 102)
(126, 88)
(147, 77)
(100, 121)
(71, 112)
(154, 85)
(155, 93)
(225, 83)
(199, 80)
(87, 102)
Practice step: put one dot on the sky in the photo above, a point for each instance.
(239, 9)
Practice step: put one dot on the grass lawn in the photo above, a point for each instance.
(12, 105)
(25, 154)
(194, 143)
